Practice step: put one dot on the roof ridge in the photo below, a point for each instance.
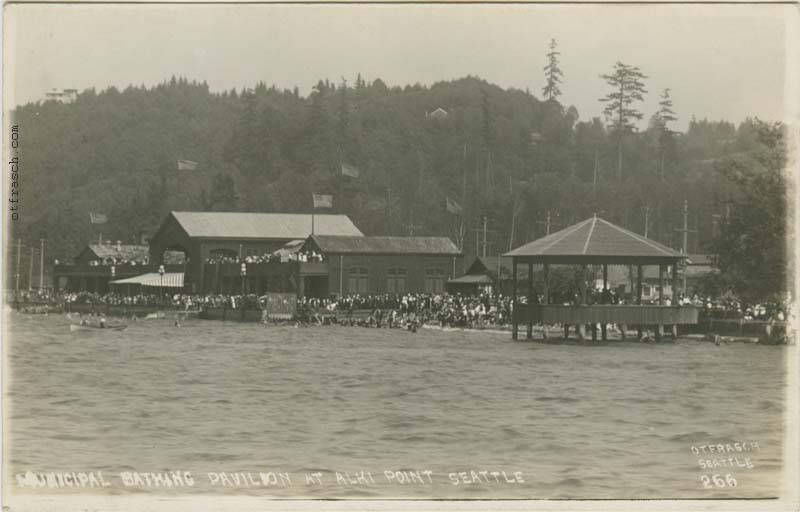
(566, 232)
(260, 213)
(591, 232)
(640, 238)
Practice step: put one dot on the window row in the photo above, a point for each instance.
(396, 280)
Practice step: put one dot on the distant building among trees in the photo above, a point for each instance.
(62, 96)
(439, 113)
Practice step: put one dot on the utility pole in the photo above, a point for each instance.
(646, 220)
(685, 228)
(481, 233)
(685, 231)
(546, 223)
(462, 228)
(410, 226)
(484, 236)
(421, 170)
(41, 265)
(516, 207)
(489, 172)
(30, 272)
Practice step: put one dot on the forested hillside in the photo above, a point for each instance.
(503, 154)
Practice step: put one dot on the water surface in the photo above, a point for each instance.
(615, 421)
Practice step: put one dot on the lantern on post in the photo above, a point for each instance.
(161, 286)
(243, 273)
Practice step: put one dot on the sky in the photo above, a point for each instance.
(719, 61)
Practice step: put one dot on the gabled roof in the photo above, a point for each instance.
(489, 263)
(385, 245)
(137, 253)
(281, 226)
(596, 238)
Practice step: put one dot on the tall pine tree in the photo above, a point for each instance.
(552, 73)
(628, 88)
(666, 140)
(665, 112)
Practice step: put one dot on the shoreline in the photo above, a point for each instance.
(555, 340)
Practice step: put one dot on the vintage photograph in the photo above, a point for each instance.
(400, 256)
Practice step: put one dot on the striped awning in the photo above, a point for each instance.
(170, 280)
(472, 279)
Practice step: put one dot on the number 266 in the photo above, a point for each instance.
(718, 481)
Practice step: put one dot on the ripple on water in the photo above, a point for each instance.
(577, 422)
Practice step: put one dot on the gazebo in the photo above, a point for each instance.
(597, 242)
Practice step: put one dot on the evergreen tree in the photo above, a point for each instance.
(223, 195)
(486, 118)
(488, 136)
(344, 112)
(665, 112)
(276, 148)
(666, 137)
(628, 88)
(552, 73)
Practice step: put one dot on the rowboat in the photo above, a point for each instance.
(78, 327)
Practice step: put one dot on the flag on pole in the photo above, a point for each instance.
(322, 201)
(349, 170)
(453, 207)
(97, 218)
(187, 165)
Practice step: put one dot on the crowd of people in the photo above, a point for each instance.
(455, 310)
(443, 309)
(107, 262)
(277, 256)
(172, 301)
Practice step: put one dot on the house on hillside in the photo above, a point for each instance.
(439, 113)
(62, 96)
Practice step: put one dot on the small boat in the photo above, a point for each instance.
(78, 327)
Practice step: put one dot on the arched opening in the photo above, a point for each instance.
(174, 255)
(222, 256)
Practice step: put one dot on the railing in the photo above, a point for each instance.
(313, 268)
(84, 269)
(611, 313)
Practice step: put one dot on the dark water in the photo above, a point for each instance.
(616, 421)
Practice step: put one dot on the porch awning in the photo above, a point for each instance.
(472, 279)
(170, 280)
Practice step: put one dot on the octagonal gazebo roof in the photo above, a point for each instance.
(596, 240)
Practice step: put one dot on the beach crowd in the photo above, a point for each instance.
(482, 310)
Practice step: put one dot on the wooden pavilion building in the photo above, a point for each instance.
(597, 242)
